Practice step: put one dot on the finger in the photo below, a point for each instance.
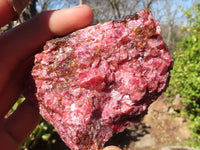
(11, 92)
(7, 12)
(22, 122)
(19, 5)
(112, 148)
(25, 40)
(7, 141)
(65, 21)
(10, 10)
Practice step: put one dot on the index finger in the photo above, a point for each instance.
(7, 12)
(10, 9)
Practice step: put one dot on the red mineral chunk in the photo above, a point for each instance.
(101, 79)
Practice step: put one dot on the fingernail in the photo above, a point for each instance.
(19, 5)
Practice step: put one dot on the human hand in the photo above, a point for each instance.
(16, 47)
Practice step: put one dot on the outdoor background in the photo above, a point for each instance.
(174, 119)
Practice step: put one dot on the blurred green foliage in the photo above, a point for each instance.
(185, 77)
(43, 134)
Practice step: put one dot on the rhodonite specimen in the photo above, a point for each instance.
(99, 80)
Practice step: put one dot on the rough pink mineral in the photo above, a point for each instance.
(101, 79)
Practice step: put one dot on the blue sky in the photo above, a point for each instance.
(174, 5)
(170, 8)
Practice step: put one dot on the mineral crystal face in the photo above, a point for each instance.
(101, 79)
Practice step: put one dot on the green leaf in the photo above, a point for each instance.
(185, 77)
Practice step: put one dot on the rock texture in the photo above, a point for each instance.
(101, 79)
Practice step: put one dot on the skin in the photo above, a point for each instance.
(17, 46)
